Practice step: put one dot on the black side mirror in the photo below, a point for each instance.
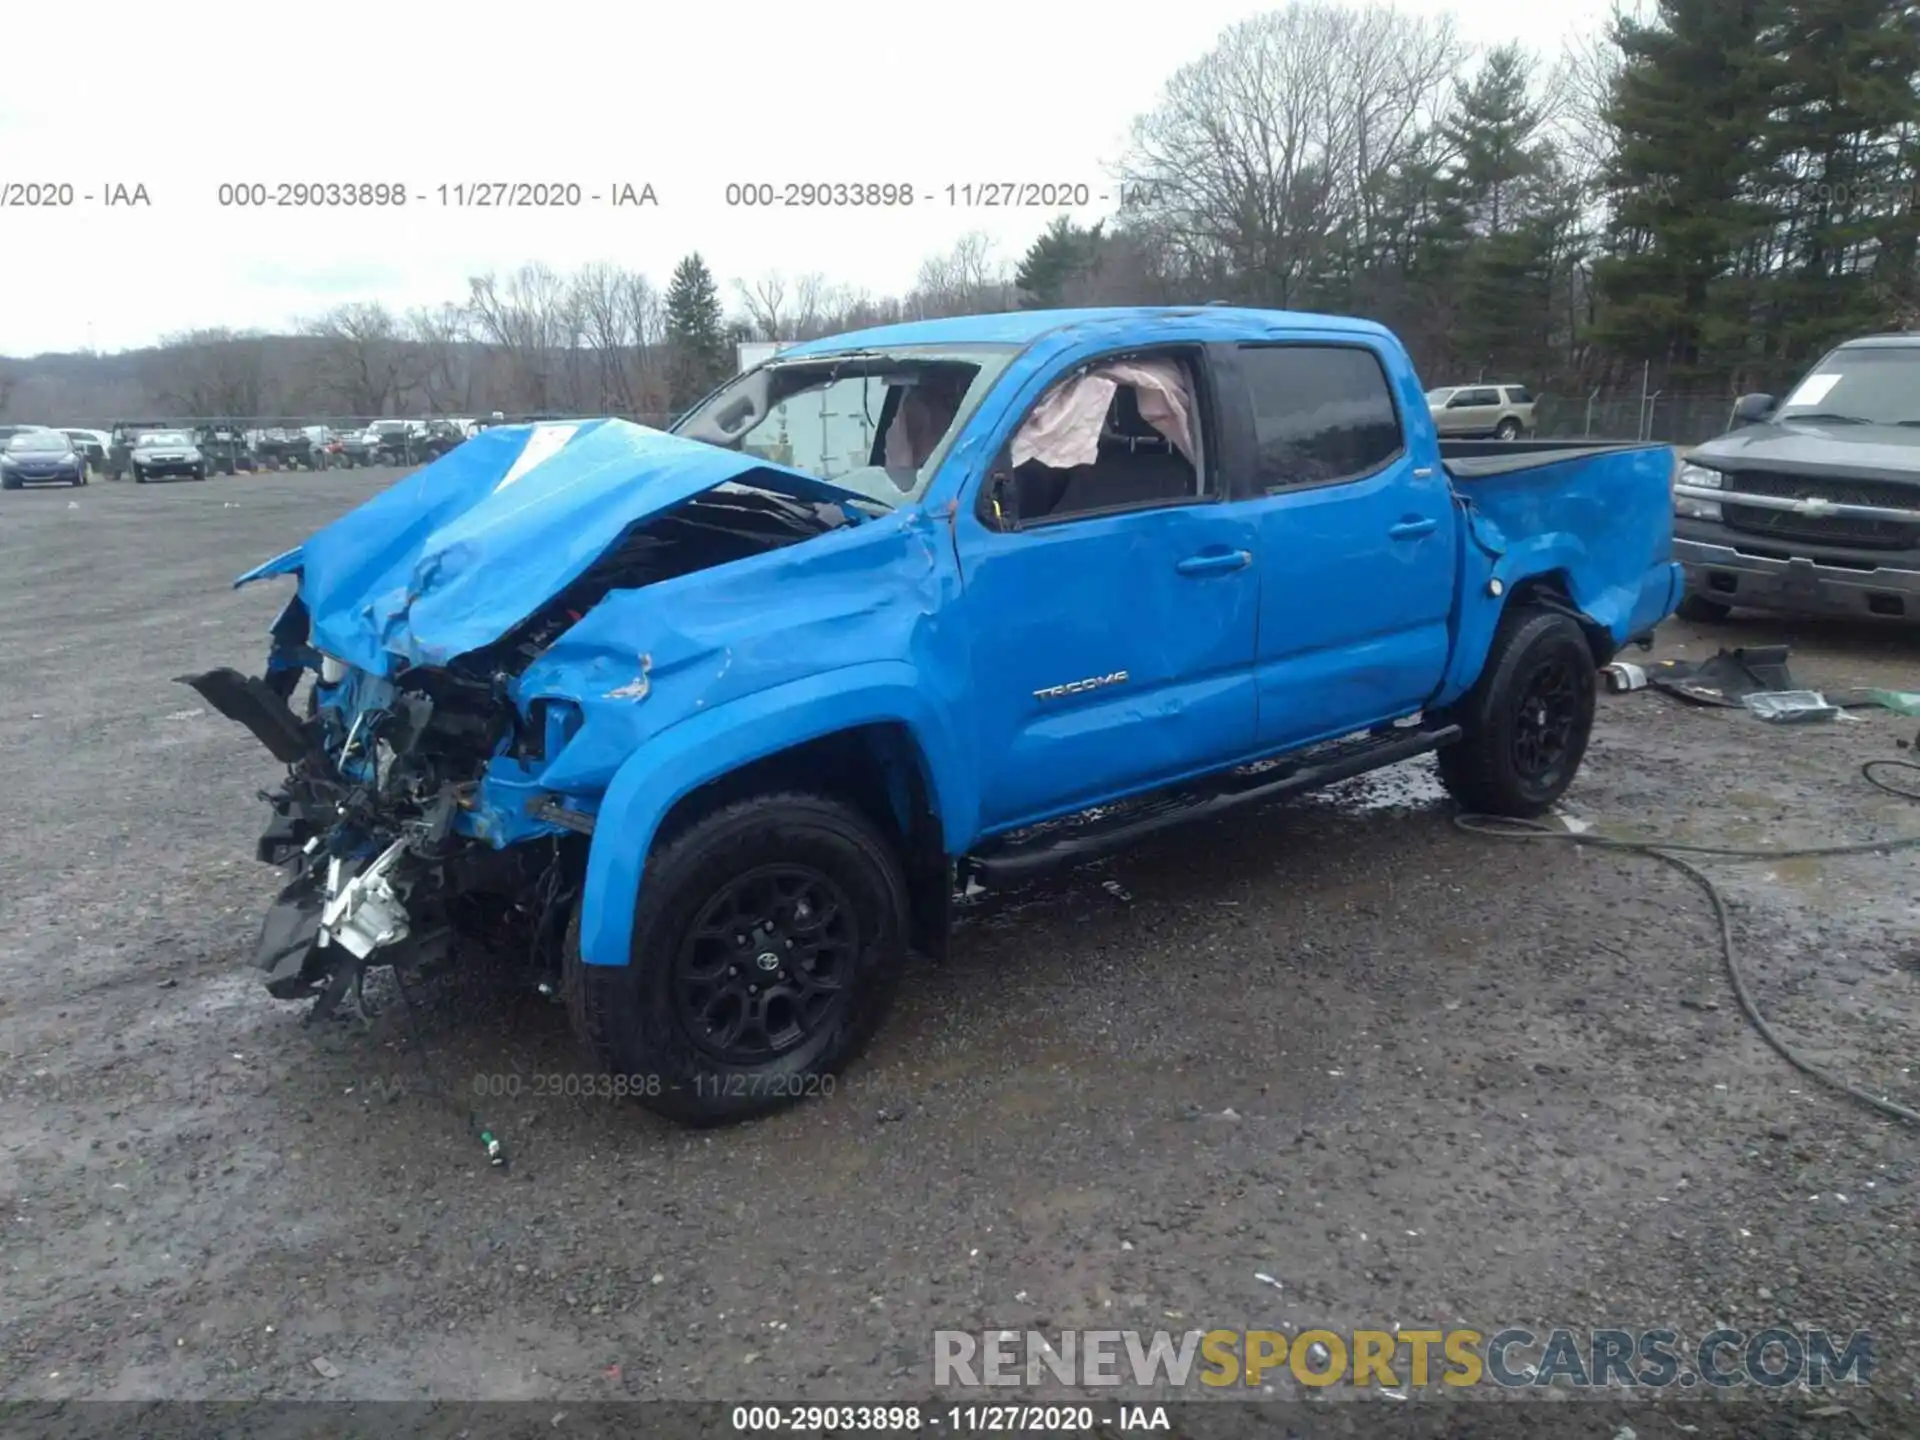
(1752, 409)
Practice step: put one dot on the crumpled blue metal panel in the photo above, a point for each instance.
(458, 553)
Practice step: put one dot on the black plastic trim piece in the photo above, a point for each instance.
(253, 703)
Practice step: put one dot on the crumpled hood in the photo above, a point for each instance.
(459, 552)
(1841, 452)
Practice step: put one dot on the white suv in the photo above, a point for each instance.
(1502, 411)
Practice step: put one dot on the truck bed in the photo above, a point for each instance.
(1469, 460)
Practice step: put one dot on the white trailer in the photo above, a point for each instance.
(758, 352)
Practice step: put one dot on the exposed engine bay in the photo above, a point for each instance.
(375, 821)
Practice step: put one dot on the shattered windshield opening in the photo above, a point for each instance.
(875, 421)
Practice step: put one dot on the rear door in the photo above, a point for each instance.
(1112, 623)
(1356, 539)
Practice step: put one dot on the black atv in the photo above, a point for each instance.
(224, 447)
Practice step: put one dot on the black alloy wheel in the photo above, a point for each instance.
(1525, 724)
(766, 963)
(1545, 719)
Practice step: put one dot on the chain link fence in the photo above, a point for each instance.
(1674, 419)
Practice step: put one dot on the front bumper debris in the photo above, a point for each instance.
(367, 912)
(251, 702)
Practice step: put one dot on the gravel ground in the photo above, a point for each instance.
(1410, 1075)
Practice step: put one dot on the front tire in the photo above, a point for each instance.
(768, 941)
(1526, 722)
(139, 476)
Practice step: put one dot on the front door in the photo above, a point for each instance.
(1112, 634)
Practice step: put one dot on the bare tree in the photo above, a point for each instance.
(1581, 83)
(1262, 157)
(527, 321)
(443, 374)
(811, 297)
(967, 279)
(617, 318)
(764, 301)
(207, 373)
(366, 363)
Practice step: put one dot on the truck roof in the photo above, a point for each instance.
(1022, 327)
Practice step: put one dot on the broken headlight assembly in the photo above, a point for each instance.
(1692, 477)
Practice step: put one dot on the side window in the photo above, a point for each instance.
(1115, 435)
(1519, 395)
(1321, 413)
(1481, 397)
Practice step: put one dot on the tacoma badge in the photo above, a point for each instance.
(1080, 687)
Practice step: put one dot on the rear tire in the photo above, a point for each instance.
(1526, 722)
(1507, 429)
(1699, 610)
(798, 888)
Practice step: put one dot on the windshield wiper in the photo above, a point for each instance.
(1827, 417)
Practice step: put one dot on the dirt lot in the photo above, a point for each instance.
(1410, 1075)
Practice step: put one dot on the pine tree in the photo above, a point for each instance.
(1692, 110)
(1494, 134)
(1846, 113)
(696, 333)
(1063, 252)
(1497, 234)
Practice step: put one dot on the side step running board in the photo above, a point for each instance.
(1010, 860)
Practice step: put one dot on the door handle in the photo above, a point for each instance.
(1413, 529)
(1215, 564)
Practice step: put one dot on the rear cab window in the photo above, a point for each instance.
(1323, 414)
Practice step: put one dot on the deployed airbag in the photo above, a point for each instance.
(1063, 431)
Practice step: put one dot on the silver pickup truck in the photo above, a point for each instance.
(1811, 505)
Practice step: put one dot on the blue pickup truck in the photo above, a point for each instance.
(711, 724)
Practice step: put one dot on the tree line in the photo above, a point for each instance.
(1698, 200)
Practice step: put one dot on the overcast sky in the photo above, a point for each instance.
(182, 97)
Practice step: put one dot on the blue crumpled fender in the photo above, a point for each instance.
(1600, 524)
(715, 742)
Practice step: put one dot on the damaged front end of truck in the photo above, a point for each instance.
(442, 769)
(375, 821)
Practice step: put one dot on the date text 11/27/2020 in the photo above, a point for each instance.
(596, 1085)
(967, 195)
(957, 1419)
(454, 195)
